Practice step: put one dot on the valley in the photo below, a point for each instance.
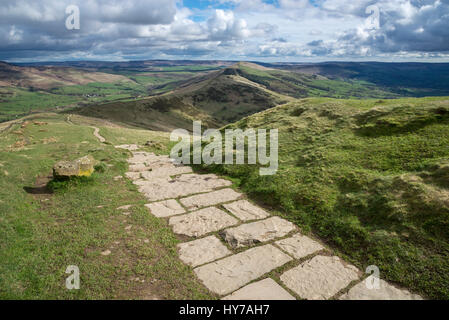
(225, 91)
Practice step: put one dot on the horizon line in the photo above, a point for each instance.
(225, 60)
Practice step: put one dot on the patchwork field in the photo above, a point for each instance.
(36, 88)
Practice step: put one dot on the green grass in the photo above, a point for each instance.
(42, 234)
(367, 176)
(15, 102)
(102, 90)
(301, 85)
(18, 102)
(159, 114)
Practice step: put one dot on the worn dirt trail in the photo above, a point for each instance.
(97, 135)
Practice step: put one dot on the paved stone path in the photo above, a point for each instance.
(238, 250)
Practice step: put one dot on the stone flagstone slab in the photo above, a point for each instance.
(180, 186)
(201, 251)
(201, 222)
(164, 209)
(245, 210)
(231, 273)
(160, 165)
(165, 171)
(161, 168)
(385, 292)
(266, 289)
(148, 158)
(138, 167)
(133, 175)
(299, 246)
(319, 278)
(210, 199)
(130, 147)
(141, 183)
(257, 232)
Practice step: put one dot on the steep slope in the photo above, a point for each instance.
(160, 114)
(227, 96)
(370, 177)
(237, 91)
(29, 88)
(243, 89)
(217, 98)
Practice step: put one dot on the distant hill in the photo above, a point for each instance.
(405, 79)
(218, 98)
(221, 91)
(242, 89)
(47, 77)
(49, 86)
(301, 85)
(139, 66)
(227, 95)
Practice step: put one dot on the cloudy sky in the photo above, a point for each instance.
(262, 30)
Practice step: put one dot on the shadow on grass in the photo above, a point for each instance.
(396, 124)
(61, 184)
(40, 187)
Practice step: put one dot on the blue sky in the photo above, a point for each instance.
(260, 30)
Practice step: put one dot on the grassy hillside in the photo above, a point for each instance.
(235, 92)
(301, 85)
(43, 232)
(228, 97)
(51, 77)
(369, 177)
(26, 89)
(225, 91)
(160, 114)
(217, 98)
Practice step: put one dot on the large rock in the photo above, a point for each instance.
(229, 274)
(82, 167)
(256, 232)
